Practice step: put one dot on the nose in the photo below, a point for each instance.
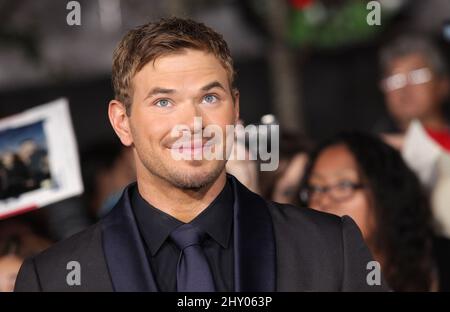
(324, 202)
(192, 116)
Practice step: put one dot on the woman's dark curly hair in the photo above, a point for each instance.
(403, 234)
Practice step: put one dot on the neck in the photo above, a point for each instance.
(182, 204)
(434, 121)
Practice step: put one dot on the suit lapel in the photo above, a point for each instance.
(254, 242)
(254, 245)
(124, 250)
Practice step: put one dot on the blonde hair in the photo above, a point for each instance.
(146, 43)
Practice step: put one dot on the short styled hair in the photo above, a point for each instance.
(146, 43)
(414, 44)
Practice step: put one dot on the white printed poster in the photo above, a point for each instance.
(39, 162)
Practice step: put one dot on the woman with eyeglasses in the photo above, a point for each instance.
(358, 175)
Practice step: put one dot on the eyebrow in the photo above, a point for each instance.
(214, 84)
(159, 90)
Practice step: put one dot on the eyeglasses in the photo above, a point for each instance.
(339, 192)
(414, 77)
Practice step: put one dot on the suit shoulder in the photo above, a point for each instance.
(83, 251)
(72, 248)
(315, 240)
(286, 214)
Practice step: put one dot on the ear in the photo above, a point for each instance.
(120, 121)
(236, 105)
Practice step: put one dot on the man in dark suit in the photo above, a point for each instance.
(186, 225)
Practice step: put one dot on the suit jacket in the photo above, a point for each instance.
(276, 248)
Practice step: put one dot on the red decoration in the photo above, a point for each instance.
(301, 4)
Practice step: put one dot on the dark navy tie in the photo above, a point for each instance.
(193, 271)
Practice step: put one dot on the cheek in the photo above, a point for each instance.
(359, 210)
(147, 130)
(395, 104)
(412, 97)
(150, 120)
(222, 116)
(399, 98)
(224, 111)
(425, 95)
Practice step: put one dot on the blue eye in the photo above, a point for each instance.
(210, 99)
(162, 103)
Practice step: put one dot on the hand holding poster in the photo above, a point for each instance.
(38, 159)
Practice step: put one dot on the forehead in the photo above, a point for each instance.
(184, 67)
(408, 62)
(335, 161)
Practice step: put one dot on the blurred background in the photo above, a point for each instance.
(314, 65)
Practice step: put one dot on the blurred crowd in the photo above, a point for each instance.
(24, 169)
(404, 220)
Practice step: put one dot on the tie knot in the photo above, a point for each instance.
(187, 235)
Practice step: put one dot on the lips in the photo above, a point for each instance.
(191, 145)
(191, 148)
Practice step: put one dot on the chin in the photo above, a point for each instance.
(195, 176)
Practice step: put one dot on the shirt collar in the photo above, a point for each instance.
(217, 218)
(155, 225)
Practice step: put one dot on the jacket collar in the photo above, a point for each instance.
(254, 245)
